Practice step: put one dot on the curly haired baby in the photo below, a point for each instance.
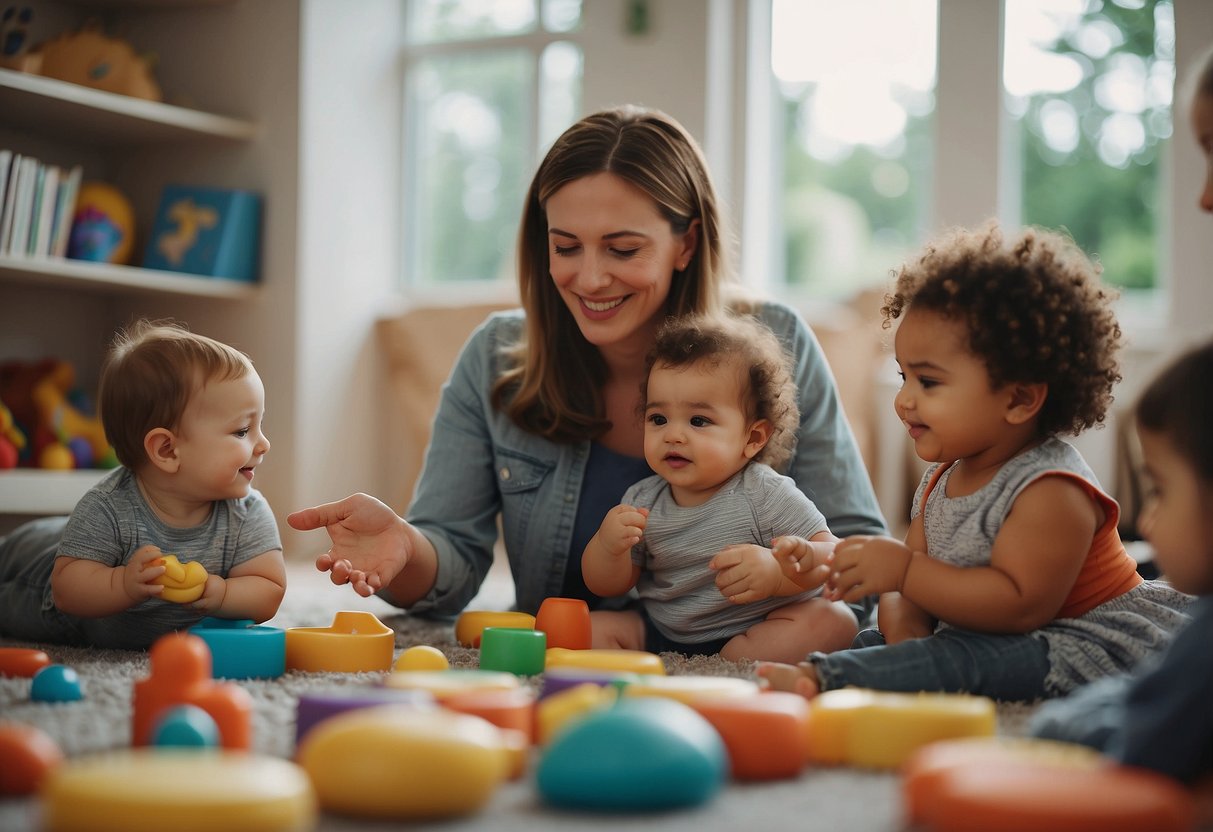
(1012, 581)
(696, 539)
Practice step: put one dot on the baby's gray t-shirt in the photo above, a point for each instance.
(112, 520)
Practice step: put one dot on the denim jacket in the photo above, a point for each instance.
(480, 467)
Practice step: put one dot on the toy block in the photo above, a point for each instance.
(469, 625)
(314, 708)
(766, 735)
(180, 674)
(241, 649)
(555, 712)
(688, 689)
(521, 652)
(22, 661)
(354, 642)
(557, 679)
(877, 729)
(443, 683)
(145, 789)
(1045, 786)
(627, 661)
(566, 621)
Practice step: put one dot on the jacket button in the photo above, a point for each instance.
(505, 473)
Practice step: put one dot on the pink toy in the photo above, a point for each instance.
(181, 675)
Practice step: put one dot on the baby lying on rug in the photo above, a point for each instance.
(184, 414)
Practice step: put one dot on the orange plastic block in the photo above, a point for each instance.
(472, 623)
(628, 661)
(29, 755)
(183, 583)
(1044, 786)
(512, 708)
(181, 675)
(766, 735)
(876, 729)
(354, 642)
(21, 661)
(566, 621)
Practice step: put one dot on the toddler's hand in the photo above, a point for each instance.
(802, 561)
(213, 593)
(867, 565)
(622, 528)
(746, 573)
(140, 571)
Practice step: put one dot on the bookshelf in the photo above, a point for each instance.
(69, 308)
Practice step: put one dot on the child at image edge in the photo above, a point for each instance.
(184, 414)
(1012, 582)
(720, 416)
(1160, 717)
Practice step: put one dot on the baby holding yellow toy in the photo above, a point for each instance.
(175, 534)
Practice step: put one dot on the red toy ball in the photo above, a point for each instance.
(29, 756)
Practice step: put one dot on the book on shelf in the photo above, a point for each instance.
(37, 204)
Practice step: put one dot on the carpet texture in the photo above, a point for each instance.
(832, 799)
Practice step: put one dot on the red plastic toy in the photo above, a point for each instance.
(22, 661)
(181, 675)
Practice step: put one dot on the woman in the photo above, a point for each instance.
(537, 424)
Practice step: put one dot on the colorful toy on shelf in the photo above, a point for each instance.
(354, 642)
(514, 650)
(22, 661)
(91, 58)
(566, 621)
(241, 649)
(29, 756)
(183, 583)
(1006, 785)
(103, 225)
(165, 788)
(180, 674)
(404, 763)
(52, 398)
(640, 754)
(471, 624)
(56, 683)
(877, 729)
(12, 439)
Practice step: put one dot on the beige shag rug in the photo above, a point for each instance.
(821, 798)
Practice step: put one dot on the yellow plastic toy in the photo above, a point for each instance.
(183, 582)
(876, 729)
(688, 689)
(404, 763)
(422, 657)
(354, 642)
(150, 790)
(628, 661)
(65, 421)
(444, 683)
(472, 623)
(560, 709)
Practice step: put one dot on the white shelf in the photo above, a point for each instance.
(103, 277)
(35, 491)
(50, 106)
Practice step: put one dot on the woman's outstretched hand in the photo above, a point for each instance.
(370, 542)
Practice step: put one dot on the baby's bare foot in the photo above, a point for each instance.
(795, 678)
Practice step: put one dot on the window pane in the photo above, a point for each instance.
(561, 15)
(857, 102)
(472, 146)
(1089, 87)
(559, 90)
(432, 21)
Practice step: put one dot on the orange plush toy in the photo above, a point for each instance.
(93, 59)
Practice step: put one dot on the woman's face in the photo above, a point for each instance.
(613, 257)
(1202, 126)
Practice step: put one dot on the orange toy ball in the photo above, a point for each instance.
(29, 756)
(103, 225)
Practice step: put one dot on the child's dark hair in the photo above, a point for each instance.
(1178, 403)
(152, 370)
(1035, 311)
(746, 343)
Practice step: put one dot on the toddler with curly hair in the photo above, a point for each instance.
(1012, 581)
(720, 417)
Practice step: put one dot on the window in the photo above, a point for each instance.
(1088, 88)
(854, 126)
(489, 84)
